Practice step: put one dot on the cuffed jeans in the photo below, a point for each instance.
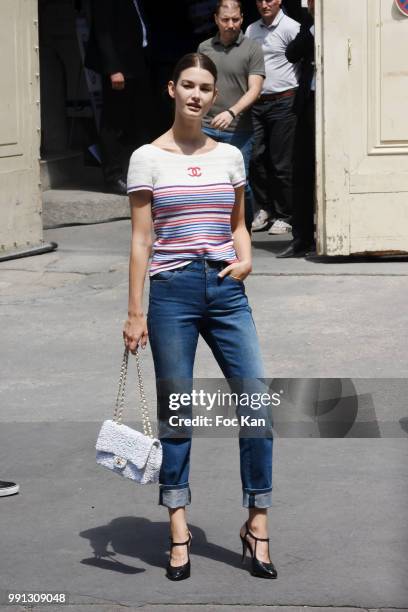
(183, 304)
(243, 141)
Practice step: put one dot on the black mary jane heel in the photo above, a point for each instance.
(259, 568)
(180, 572)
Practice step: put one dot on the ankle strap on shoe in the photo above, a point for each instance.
(248, 532)
(179, 543)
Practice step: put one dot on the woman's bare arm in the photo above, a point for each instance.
(135, 329)
(241, 238)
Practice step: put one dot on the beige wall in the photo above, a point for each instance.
(362, 127)
(20, 202)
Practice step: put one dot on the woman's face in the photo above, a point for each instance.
(194, 92)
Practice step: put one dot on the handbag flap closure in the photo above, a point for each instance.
(119, 462)
(127, 443)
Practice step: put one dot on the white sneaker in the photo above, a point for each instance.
(8, 488)
(280, 227)
(261, 221)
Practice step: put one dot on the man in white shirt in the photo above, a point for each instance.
(274, 120)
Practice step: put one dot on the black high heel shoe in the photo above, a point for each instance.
(180, 572)
(259, 568)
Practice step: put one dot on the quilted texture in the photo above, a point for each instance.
(128, 452)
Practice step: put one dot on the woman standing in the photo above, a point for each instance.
(193, 188)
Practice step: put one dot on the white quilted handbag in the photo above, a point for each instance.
(124, 450)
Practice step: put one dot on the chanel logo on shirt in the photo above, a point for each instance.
(194, 171)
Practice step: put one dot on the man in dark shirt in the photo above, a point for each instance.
(117, 50)
(293, 9)
(302, 49)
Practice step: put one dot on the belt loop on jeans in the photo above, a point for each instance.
(276, 96)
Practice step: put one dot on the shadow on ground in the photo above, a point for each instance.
(145, 540)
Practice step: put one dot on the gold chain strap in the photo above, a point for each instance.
(120, 398)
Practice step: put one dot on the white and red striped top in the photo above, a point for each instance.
(193, 197)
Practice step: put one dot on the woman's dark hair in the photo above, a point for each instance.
(221, 3)
(194, 60)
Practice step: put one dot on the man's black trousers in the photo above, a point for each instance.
(271, 174)
(304, 176)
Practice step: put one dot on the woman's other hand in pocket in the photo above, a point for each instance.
(238, 270)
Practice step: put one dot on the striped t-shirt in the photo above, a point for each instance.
(193, 197)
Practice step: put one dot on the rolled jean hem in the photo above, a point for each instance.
(175, 498)
(254, 499)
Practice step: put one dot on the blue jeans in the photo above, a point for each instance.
(243, 141)
(184, 303)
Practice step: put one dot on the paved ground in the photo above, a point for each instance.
(101, 607)
(339, 521)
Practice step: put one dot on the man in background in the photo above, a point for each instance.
(241, 72)
(117, 49)
(274, 120)
(302, 49)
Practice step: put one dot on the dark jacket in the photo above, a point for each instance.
(116, 39)
(293, 9)
(302, 49)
